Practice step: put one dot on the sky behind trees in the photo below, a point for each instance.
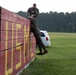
(43, 5)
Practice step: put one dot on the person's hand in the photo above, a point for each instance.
(33, 16)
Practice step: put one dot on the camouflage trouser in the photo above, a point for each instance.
(36, 32)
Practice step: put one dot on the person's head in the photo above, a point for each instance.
(34, 5)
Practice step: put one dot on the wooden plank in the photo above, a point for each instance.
(10, 34)
(12, 17)
(2, 63)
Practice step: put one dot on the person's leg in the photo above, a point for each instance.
(36, 33)
(39, 46)
(39, 40)
(40, 50)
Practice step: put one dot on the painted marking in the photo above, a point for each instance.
(24, 42)
(18, 26)
(7, 72)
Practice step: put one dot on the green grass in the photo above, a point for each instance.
(61, 57)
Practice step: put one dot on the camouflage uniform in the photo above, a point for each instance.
(33, 28)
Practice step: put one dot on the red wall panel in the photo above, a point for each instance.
(17, 47)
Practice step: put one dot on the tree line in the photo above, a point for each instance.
(54, 21)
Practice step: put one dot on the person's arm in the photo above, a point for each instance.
(37, 12)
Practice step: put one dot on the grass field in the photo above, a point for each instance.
(61, 57)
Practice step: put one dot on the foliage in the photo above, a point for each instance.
(55, 22)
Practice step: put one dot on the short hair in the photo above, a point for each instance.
(34, 4)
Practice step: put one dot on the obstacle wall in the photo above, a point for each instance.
(17, 44)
